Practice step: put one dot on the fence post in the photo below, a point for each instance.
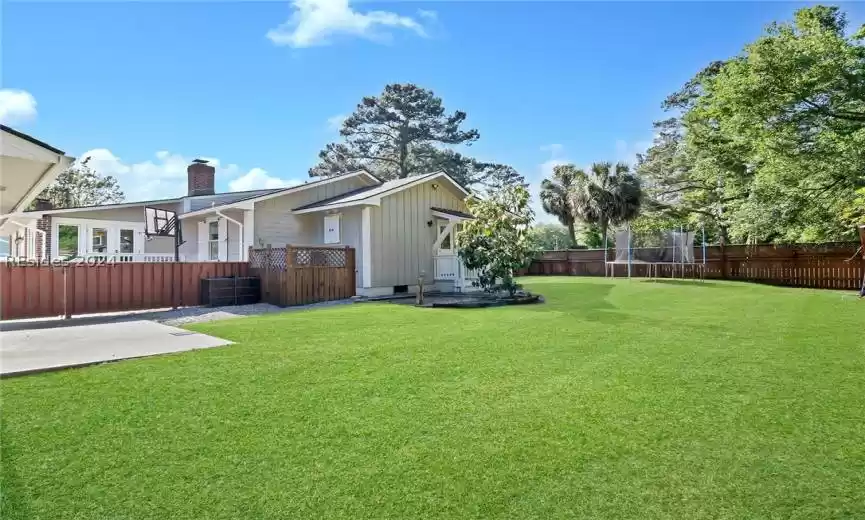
(288, 287)
(724, 272)
(67, 309)
(352, 269)
(267, 259)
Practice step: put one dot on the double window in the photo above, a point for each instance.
(80, 237)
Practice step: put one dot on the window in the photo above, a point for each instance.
(127, 241)
(100, 240)
(213, 240)
(67, 241)
(331, 229)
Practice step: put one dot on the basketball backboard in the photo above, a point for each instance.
(160, 222)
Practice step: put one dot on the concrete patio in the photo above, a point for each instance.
(51, 345)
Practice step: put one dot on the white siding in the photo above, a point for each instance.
(275, 225)
(401, 239)
(235, 236)
(232, 242)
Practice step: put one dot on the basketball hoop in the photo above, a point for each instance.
(163, 223)
(160, 222)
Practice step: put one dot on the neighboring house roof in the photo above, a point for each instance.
(452, 212)
(103, 206)
(239, 195)
(370, 195)
(280, 192)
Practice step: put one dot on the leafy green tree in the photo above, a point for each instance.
(555, 197)
(497, 241)
(768, 145)
(406, 131)
(686, 183)
(589, 234)
(550, 237)
(607, 195)
(79, 186)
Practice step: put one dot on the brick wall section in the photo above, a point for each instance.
(44, 224)
(200, 178)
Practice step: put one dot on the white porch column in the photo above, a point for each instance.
(248, 233)
(366, 237)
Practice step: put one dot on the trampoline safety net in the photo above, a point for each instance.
(662, 247)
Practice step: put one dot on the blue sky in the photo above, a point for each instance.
(144, 87)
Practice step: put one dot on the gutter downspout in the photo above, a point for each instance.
(239, 225)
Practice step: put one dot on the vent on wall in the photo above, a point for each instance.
(400, 289)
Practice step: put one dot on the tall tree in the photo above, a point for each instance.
(690, 178)
(406, 131)
(549, 237)
(772, 142)
(555, 197)
(607, 195)
(79, 186)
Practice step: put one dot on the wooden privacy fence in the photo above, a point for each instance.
(298, 275)
(823, 266)
(31, 291)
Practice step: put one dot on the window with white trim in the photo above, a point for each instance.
(331, 229)
(127, 241)
(213, 240)
(99, 238)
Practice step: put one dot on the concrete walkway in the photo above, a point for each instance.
(60, 344)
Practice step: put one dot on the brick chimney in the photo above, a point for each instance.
(201, 178)
(42, 205)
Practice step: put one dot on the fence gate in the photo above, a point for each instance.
(298, 275)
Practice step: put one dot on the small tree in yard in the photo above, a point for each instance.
(497, 241)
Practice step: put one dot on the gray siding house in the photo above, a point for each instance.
(401, 230)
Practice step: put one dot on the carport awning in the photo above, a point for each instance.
(27, 166)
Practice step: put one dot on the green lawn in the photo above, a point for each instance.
(614, 399)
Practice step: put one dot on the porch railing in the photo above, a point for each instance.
(446, 267)
(130, 257)
(450, 267)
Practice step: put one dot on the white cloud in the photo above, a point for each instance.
(16, 106)
(627, 152)
(334, 123)
(257, 179)
(165, 177)
(429, 15)
(314, 22)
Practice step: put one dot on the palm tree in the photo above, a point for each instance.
(607, 195)
(555, 197)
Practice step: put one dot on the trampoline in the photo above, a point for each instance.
(657, 253)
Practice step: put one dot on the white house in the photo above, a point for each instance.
(401, 229)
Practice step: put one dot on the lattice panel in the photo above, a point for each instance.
(273, 258)
(256, 258)
(312, 257)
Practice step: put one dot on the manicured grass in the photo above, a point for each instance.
(614, 399)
